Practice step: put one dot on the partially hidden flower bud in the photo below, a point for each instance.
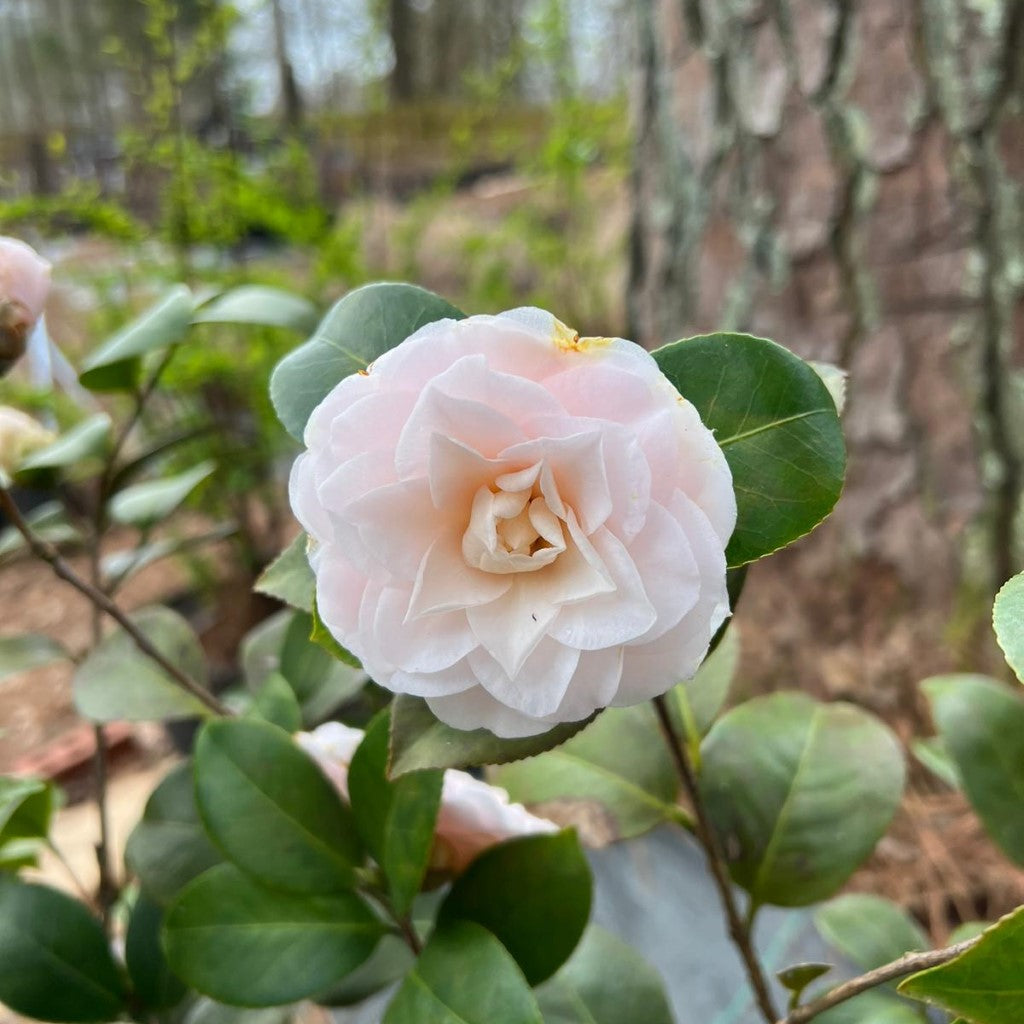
(473, 815)
(20, 435)
(24, 286)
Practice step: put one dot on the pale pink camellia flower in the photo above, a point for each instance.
(518, 524)
(24, 285)
(472, 817)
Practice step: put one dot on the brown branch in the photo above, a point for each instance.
(49, 554)
(909, 963)
(708, 839)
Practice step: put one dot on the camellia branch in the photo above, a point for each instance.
(909, 963)
(49, 554)
(707, 838)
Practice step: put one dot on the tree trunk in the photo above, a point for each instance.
(847, 177)
(401, 26)
(291, 97)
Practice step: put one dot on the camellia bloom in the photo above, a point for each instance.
(20, 435)
(472, 816)
(518, 524)
(24, 285)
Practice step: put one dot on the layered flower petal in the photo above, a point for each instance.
(518, 524)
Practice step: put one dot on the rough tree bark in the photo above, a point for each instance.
(847, 177)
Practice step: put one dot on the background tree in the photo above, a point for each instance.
(847, 178)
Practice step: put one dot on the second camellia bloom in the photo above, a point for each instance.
(517, 524)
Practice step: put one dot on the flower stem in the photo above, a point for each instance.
(707, 838)
(909, 963)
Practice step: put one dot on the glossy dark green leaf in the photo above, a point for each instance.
(797, 977)
(120, 566)
(259, 304)
(464, 976)
(799, 793)
(619, 767)
(778, 426)
(152, 981)
(981, 723)
(289, 577)
(968, 930)
(117, 682)
(1008, 620)
(271, 810)
(240, 943)
(533, 893)
(869, 930)
(169, 846)
(152, 501)
(396, 819)
(55, 962)
(363, 325)
(275, 702)
(985, 983)
(388, 964)
(419, 740)
(86, 440)
(16, 854)
(114, 366)
(26, 808)
(604, 982)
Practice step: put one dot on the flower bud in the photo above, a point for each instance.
(20, 435)
(24, 285)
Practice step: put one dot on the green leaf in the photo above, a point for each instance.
(169, 847)
(86, 440)
(932, 753)
(464, 976)
(289, 577)
(281, 644)
(395, 819)
(275, 702)
(619, 765)
(968, 930)
(55, 962)
(873, 1007)
(240, 943)
(363, 325)
(869, 930)
(388, 964)
(419, 740)
(320, 634)
(26, 808)
(533, 893)
(117, 682)
(778, 426)
(604, 982)
(259, 304)
(152, 981)
(1008, 620)
(985, 983)
(796, 978)
(26, 651)
(49, 522)
(121, 565)
(152, 501)
(800, 793)
(700, 700)
(271, 810)
(114, 366)
(18, 854)
(981, 723)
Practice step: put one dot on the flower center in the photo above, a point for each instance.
(512, 527)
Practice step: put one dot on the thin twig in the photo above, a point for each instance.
(409, 933)
(49, 554)
(909, 963)
(87, 897)
(708, 839)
